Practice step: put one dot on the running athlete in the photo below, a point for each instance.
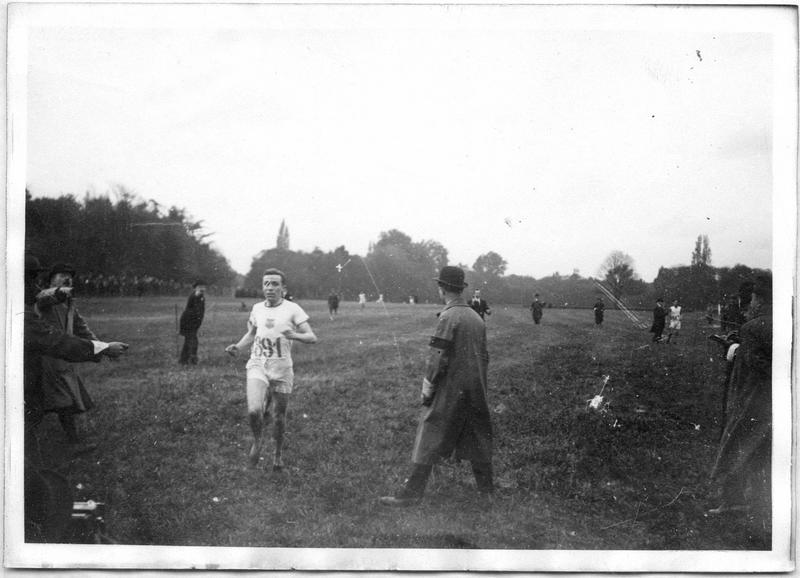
(272, 327)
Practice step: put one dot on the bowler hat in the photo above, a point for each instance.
(61, 268)
(452, 277)
(32, 264)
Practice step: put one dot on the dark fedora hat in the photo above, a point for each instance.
(61, 268)
(452, 277)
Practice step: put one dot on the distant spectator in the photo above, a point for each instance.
(741, 470)
(659, 321)
(362, 300)
(479, 304)
(191, 320)
(333, 305)
(536, 309)
(599, 311)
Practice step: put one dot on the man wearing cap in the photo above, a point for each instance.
(455, 415)
(191, 320)
(63, 388)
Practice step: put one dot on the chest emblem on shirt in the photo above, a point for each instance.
(270, 323)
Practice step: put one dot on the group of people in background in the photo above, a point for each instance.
(660, 318)
(92, 284)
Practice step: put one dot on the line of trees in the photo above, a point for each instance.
(126, 238)
(130, 239)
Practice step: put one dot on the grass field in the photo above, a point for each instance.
(171, 461)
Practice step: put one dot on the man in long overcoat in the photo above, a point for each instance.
(191, 320)
(741, 469)
(455, 418)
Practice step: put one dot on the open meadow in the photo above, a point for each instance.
(171, 461)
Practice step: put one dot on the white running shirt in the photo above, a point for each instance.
(270, 349)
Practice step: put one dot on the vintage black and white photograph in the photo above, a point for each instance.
(453, 287)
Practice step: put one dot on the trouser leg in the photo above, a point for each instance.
(483, 476)
(414, 486)
(184, 359)
(193, 344)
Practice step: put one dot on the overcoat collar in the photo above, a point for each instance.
(457, 302)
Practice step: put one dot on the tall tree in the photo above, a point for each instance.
(701, 256)
(618, 272)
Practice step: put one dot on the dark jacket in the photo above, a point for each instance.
(659, 319)
(747, 435)
(480, 306)
(458, 418)
(192, 316)
(41, 338)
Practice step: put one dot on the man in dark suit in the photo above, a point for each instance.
(479, 305)
(191, 320)
(659, 320)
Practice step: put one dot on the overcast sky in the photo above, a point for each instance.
(550, 135)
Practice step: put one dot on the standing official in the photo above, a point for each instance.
(659, 320)
(479, 304)
(599, 311)
(455, 417)
(64, 390)
(191, 320)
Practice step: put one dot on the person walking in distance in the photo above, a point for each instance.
(599, 311)
(455, 416)
(536, 309)
(333, 305)
(191, 320)
(273, 326)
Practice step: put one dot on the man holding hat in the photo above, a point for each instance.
(455, 415)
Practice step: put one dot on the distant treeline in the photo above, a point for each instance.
(133, 247)
(123, 246)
